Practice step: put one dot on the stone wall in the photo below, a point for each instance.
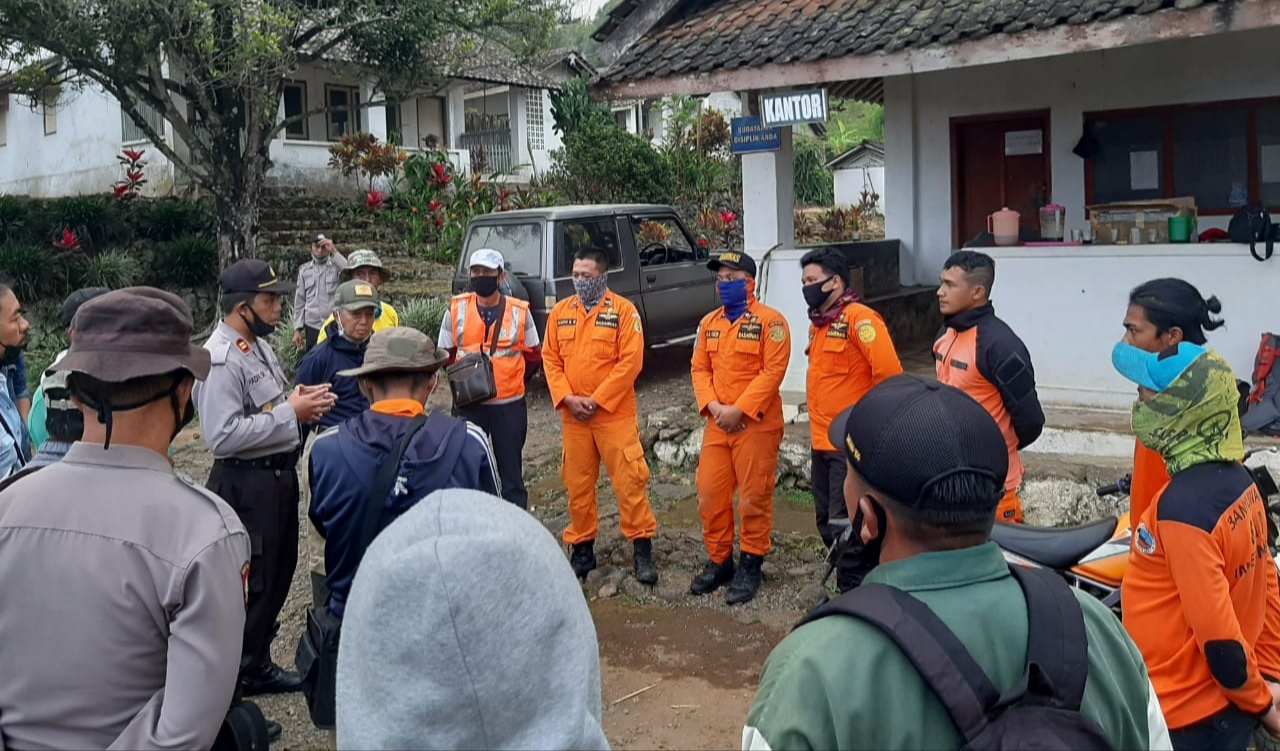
(672, 440)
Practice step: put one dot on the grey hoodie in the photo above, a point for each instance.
(467, 629)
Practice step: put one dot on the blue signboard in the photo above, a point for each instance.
(750, 136)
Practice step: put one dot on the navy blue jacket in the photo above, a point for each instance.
(447, 452)
(322, 364)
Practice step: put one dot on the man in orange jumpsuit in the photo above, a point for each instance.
(980, 355)
(593, 353)
(739, 359)
(850, 351)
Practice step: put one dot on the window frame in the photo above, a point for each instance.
(1166, 115)
(701, 255)
(49, 110)
(352, 108)
(561, 244)
(306, 121)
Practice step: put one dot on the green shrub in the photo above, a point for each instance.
(602, 163)
(281, 342)
(32, 269)
(188, 262)
(113, 270)
(423, 314)
(168, 219)
(814, 184)
(97, 220)
(20, 220)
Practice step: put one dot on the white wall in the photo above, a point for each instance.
(1068, 305)
(80, 158)
(918, 112)
(851, 182)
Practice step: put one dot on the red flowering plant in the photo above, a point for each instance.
(69, 243)
(376, 200)
(133, 163)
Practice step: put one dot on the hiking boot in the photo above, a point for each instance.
(747, 581)
(646, 572)
(713, 577)
(583, 558)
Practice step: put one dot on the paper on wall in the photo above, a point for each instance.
(1269, 163)
(1144, 170)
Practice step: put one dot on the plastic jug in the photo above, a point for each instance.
(1053, 221)
(1003, 225)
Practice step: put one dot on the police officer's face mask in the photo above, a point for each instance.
(258, 327)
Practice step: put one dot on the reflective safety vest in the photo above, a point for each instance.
(508, 360)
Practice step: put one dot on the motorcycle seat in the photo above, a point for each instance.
(1053, 547)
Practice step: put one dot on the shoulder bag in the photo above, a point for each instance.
(317, 656)
(471, 378)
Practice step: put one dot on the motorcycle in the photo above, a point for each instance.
(1093, 557)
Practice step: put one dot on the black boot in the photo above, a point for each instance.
(269, 679)
(583, 558)
(747, 581)
(646, 572)
(713, 577)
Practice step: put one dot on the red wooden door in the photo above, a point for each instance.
(991, 170)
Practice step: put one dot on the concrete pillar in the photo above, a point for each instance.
(374, 119)
(455, 115)
(517, 115)
(768, 201)
(901, 177)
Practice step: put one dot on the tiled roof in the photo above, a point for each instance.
(703, 36)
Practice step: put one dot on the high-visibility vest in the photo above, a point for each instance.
(508, 359)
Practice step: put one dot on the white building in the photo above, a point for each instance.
(68, 144)
(985, 104)
(857, 170)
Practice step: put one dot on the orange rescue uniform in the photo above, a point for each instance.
(599, 354)
(1200, 596)
(980, 355)
(740, 363)
(470, 336)
(1150, 475)
(847, 358)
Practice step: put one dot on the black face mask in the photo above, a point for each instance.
(814, 297)
(257, 326)
(11, 354)
(484, 286)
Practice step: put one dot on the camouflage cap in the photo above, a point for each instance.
(365, 258)
(398, 348)
(355, 295)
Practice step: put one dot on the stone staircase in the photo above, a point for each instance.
(291, 216)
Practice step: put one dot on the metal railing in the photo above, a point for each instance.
(490, 151)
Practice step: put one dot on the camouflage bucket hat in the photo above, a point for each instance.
(365, 258)
(398, 349)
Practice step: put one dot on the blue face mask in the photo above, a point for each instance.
(734, 296)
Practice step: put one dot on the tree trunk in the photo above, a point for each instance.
(237, 221)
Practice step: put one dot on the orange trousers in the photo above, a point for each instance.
(1010, 508)
(746, 462)
(617, 442)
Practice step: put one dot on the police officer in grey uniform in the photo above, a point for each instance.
(122, 600)
(251, 424)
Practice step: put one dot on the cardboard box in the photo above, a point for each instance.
(1145, 215)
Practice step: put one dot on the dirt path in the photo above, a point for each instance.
(704, 657)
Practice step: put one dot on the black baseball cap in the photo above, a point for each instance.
(908, 433)
(75, 300)
(252, 275)
(734, 260)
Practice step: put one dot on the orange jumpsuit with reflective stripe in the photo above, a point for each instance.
(599, 354)
(472, 336)
(740, 363)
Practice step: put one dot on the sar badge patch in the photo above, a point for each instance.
(777, 334)
(1144, 541)
(866, 333)
(242, 345)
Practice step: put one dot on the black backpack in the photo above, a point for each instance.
(1042, 711)
(1253, 225)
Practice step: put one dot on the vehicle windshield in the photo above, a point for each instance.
(519, 244)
